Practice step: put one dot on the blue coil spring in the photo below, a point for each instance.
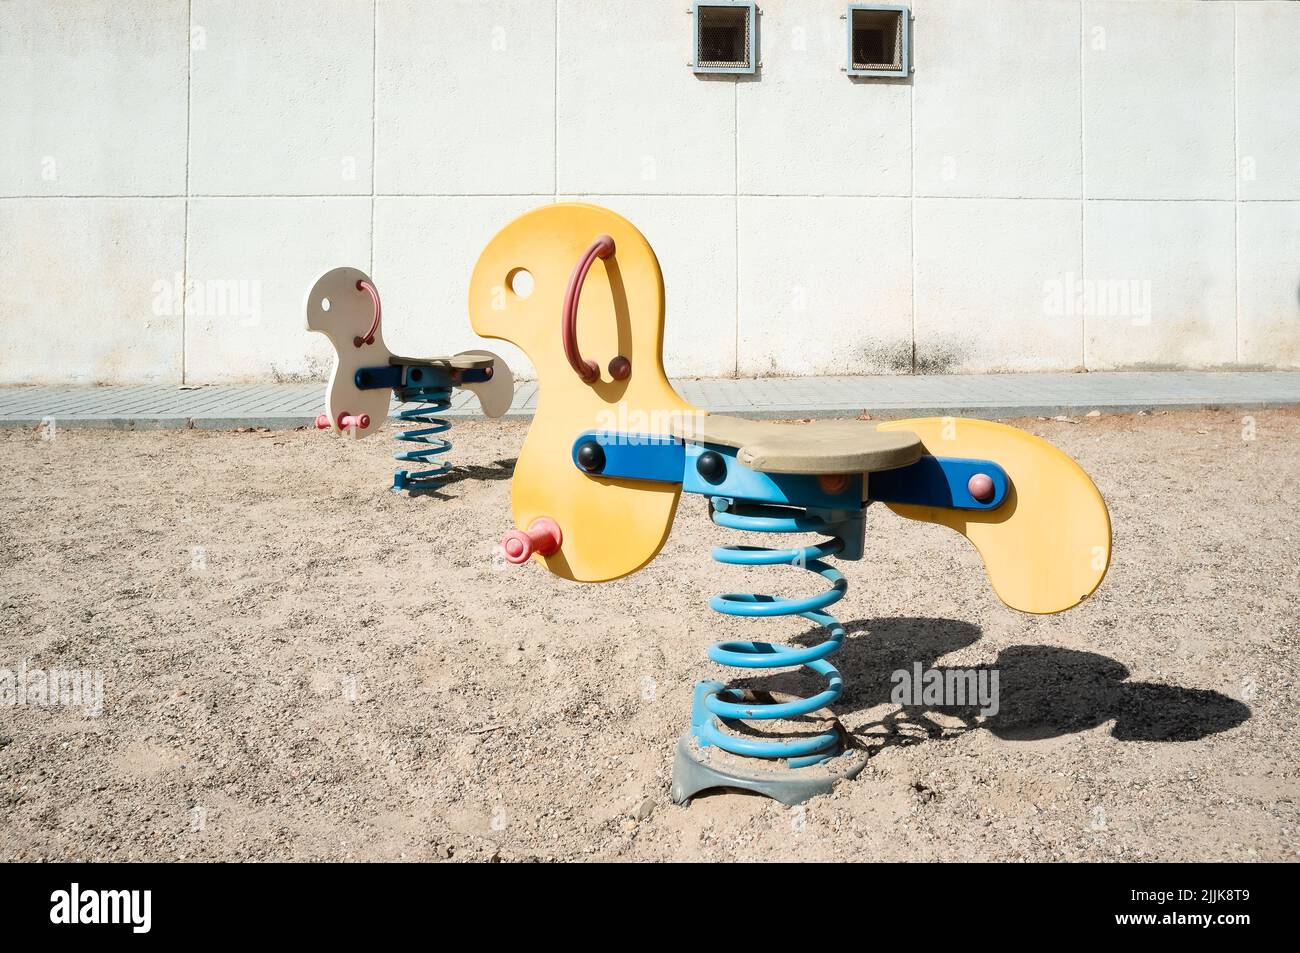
(730, 705)
(432, 400)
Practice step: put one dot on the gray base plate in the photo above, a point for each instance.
(692, 773)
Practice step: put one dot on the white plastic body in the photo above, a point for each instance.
(343, 312)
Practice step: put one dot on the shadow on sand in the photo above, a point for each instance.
(1044, 691)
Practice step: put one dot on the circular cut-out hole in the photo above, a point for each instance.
(324, 304)
(520, 281)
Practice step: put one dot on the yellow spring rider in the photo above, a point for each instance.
(612, 448)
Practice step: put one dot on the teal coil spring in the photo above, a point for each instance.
(729, 706)
(431, 401)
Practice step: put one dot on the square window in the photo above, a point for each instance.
(878, 40)
(726, 38)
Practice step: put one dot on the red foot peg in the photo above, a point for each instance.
(346, 421)
(542, 536)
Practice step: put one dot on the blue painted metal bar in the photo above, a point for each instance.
(712, 470)
(376, 378)
(666, 459)
(938, 481)
(416, 377)
(741, 483)
(629, 456)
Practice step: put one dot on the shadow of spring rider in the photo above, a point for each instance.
(613, 446)
(343, 304)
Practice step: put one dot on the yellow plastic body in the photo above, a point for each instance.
(1047, 547)
(610, 527)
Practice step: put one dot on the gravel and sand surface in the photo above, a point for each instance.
(298, 663)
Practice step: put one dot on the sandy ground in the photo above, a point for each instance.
(300, 664)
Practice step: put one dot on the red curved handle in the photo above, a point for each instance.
(620, 367)
(369, 336)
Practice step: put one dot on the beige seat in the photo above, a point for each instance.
(824, 446)
(459, 362)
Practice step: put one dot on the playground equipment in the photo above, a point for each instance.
(613, 446)
(343, 304)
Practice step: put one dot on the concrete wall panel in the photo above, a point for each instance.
(825, 286)
(1176, 261)
(282, 96)
(963, 218)
(990, 282)
(251, 263)
(90, 290)
(92, 100)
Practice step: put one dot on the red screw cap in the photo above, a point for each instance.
(981, 487)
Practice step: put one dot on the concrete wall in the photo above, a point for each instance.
(1060, 184)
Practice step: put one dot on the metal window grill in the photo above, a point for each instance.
(725, 38)
(878, 41)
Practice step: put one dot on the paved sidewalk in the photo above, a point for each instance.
(983, 395)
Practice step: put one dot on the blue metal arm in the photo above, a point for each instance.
(930, 481)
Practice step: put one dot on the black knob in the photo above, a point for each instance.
(711, 466)
(591, 457)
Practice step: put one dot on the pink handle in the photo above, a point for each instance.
(346, 421)
(620, 367)
(369, 337)
(542, 536)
